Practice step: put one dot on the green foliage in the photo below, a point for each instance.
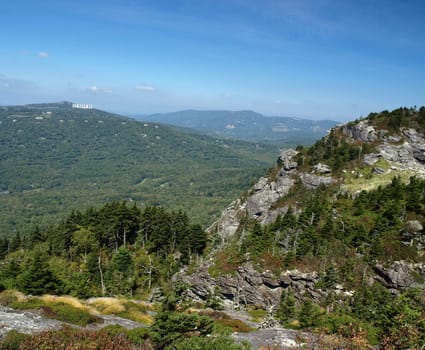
(117, 249)
(170, 327)
(348, 326)
(211, 343)
(286, 311)
(138, 336)
(37, 278)
(13, 340)
(69, 338)
(309, 314)
(77, 158)
(67, 313)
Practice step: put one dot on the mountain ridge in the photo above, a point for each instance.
(248, 125)
(311, 233)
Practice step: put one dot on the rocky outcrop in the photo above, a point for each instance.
(413, 234)
(314, 181)
(400, 275)
(371, 158)
(266, 192)
(229, 221)
(30, 322)
(286, 159)
(360, 131)
(322, 168)
(247, 286)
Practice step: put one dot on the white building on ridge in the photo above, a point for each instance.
(82, 105)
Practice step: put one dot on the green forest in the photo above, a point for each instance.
(54, 158)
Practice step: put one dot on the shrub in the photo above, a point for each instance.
(138, 336)
(12, 340)
(70, 314)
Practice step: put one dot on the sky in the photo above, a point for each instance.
(318, 59)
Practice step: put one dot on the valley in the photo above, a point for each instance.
(54, 158)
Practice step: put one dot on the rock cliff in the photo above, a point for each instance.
(401, 151)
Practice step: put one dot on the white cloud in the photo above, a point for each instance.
(144, 88)
(43, 54)
(99, 90)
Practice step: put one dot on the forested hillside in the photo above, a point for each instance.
(54, 159)
(321, 250)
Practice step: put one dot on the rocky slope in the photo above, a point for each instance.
(382, 154)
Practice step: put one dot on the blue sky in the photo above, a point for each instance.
(318, 58)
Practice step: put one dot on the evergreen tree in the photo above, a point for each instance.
(37, 279)
(287, 307)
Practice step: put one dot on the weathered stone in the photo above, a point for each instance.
(228, 223)
(286, 159)
(399, 275)
(413, 136)
(314, 181)
(371, 158)
(360, 131)
(270, 280)
(414, 226)
(377, 170)
(322, 168)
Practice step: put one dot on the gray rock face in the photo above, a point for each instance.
(24, 322)
(286, 159)
(314, 181)
(408, 155)
(275, 338)
(413, 234)
(266, 193)
(399, 275)
(377, 170)
(371, 158)
(360, 131)
(322, 168)
(228, 223)
(247, 286)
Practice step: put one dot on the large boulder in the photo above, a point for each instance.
(400, 274)
(314, 181)
(360, 132)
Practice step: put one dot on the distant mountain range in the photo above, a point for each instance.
(248, 126)
(55, 158)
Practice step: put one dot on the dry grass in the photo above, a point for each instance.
(8, 296)
(107, 305)
(65, 299)
(370, 183)
(132, 310)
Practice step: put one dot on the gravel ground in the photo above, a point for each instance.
(267, 338)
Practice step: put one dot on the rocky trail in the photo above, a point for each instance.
(30, 322)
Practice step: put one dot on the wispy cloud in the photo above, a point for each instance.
(43, 54)
(9, 83)
(144, 88)
(99, 90)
